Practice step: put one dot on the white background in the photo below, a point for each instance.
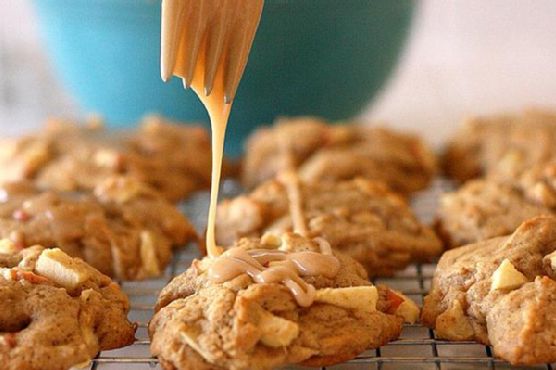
(463, 57)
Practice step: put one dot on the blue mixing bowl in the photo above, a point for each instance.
(317, 57)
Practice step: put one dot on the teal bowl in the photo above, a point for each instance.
(310, 57)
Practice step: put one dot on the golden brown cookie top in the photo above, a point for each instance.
(537, 184)
(322, 151)
(56, 311)
(501, 146)
(125, 229)
(521, 326)
(38, 265)
(173, 158)
(361, 218)
(500, 292)
(483, 209)
(525, 248)
(242, 323)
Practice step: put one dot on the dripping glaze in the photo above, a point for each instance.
(276, 266)
(236, 21)
(228, 28)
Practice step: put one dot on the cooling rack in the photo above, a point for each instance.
(417, 348)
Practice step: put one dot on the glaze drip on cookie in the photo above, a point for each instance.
(291, 184)
(276, 266)
(243, 324)
(500, 292)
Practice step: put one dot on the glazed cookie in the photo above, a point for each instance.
(482, 209)
(325, 152)
(267, 303)
(125, 229)
(360, 218)
(501, 146)
(500, 292)
(56, 311)
(174, 159)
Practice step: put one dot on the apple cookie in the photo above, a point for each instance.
(264, 304)
(500, 292)
(56, 311)
(501, 146)
(125, 229)
(360, 218)
(175, 159)
(483, 209)
(537, 184)
(320, 151)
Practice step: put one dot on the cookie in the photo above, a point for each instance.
(501, 146)
(537, 184)
(264, 304)
(483, 209)
(125, 229)
(500, 292)
(56, 311)
(325, 152)
(175, 159)
(360, 218)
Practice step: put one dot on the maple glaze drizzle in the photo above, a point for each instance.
(290, 180)
(276, 266)
(206, 43)
(194, 31)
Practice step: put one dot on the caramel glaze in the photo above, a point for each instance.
(206, 43)
(290, 180)
(276, 266)
(236, 22)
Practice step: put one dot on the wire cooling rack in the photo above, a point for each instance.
(417, 348)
